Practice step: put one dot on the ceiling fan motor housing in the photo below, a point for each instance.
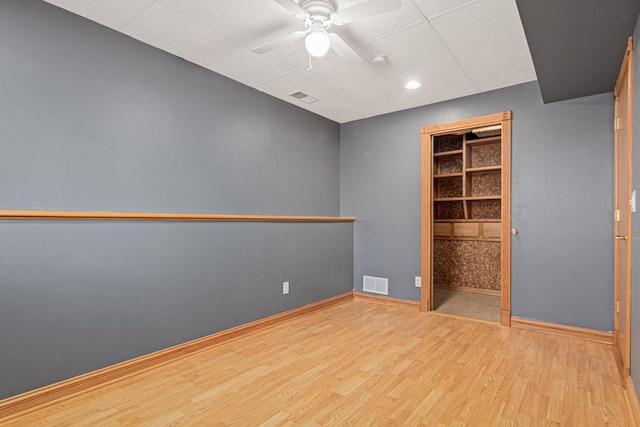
(319, 10)
(318, 16)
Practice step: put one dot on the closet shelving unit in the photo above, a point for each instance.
(466, 194)
(467, 186)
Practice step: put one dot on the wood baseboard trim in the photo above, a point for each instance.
(396, 302)
(594, 335)
(54, 393)
(470, 290)
(632, 401)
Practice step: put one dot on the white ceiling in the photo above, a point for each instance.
(453, 47)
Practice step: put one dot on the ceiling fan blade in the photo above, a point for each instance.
(280, 42)
(365, 10)
(344, 51)
(292, 7)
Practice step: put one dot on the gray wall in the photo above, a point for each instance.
(635, 265)
(562, 197)
(80, 296)
(93, 120)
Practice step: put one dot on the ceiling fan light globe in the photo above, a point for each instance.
(317, 43)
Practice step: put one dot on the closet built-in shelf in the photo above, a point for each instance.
(484, 169)
(448, 175)
(448, 199)
(487, 140)
(482, 198)
(448, 153)
(467, 220)
(461, 199)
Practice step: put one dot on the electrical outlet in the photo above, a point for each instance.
(285, 288)
(418, 282)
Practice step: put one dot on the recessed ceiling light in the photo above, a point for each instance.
(413, 84)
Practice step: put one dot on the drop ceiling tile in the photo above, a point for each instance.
(252, 23)
(507, 80)
(238, 64)
(168, 29)
(404, 103)
(451, 93)
(329, 102)
(350, 116)
(418, 53)
(113, 13)
(374, 27)
(361, 84)
(434, 8)
(487, 38)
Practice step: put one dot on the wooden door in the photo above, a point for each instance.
(622, 223)
(453, 162)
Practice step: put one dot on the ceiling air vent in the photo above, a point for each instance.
(303, 97)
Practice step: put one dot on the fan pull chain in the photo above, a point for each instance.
(310, 67)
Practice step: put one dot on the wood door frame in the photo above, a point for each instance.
(426, 216)
(625, 75)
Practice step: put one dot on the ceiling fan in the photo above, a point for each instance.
(318, 16)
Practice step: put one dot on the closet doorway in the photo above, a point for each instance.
(466, 194)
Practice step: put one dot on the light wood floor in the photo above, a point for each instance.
(363, 363)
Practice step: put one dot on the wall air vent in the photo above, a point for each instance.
(376, 285)
(303, 97)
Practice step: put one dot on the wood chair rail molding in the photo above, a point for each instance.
(153, 216)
